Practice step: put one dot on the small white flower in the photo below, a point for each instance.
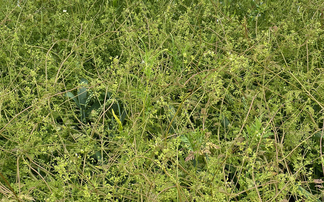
(64, 11)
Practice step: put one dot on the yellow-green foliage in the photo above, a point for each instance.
(183, 100)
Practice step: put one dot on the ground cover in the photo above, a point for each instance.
(161, 100)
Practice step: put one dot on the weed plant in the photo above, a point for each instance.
(179, 100)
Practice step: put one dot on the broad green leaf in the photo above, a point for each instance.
(71, 95)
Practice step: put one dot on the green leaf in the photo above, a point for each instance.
(317, 136)
(187, 142)
(82, 93)
(97, 156)
(71, 95)
(307, 194)
(225, 121)
(94, 106)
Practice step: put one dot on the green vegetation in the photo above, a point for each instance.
(161, 100)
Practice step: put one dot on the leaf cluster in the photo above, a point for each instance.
(179, 100)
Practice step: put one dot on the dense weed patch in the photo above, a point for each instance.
(161, 100)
